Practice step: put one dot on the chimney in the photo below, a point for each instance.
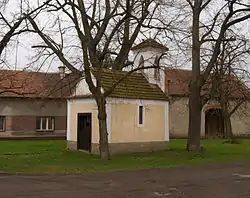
(62, 71)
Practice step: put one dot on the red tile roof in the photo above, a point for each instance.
(36, 84)
(177, 83)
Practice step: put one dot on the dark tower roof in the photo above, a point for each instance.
(149, 43)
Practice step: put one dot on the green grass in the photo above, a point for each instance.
(53, 157)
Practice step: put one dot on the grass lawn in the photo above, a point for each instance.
(52, 157)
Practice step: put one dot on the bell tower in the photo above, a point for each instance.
(147, 54)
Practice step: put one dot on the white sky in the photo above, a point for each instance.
(18, 56)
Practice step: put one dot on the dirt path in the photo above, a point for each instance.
(216, 181)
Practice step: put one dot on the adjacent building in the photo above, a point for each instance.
(212, 126)
(33, 103)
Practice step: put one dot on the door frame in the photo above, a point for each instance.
(220, 122)
(78, 116)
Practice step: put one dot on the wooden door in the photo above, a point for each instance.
(214, 126)
(84, 132)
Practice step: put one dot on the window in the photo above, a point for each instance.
(2, 123)
(141, 115)
(45, 123)
(157, 74)
(141, 63)
(157, 69)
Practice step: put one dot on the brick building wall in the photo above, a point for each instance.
(60, 122)
(8, 123)
(20, 116)
(23, 123)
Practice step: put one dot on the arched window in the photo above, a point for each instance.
(157, 69)
(141, 63)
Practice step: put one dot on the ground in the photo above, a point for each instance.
(31, 159)
(231, 180)
(53, 157)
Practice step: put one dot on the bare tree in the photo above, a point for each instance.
(102, 30)
(228, 76)
(212, 33)
(12, 27)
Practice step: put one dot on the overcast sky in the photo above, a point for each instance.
(19, 56)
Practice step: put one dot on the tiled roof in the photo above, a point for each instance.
(177, 83)
(36, 84)
(149, 43)
(232, 86)
(134, 86)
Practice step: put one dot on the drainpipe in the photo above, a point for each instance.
(167, 89)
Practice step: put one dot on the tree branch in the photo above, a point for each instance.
(51, 46)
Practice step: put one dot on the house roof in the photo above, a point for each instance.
(177, 83)
(134, 86)
(149, 43)
(25, 84)
(232, 86)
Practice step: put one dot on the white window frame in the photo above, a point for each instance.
(4, 122)
(47, 123)
(143, 115)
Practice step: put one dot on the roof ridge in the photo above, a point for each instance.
(24, 71)
(178, 69)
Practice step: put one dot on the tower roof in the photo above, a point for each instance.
(149, 43)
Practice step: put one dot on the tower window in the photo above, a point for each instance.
(141, 63)
(157, 69)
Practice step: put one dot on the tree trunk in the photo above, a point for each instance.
(226, 116)
(223, 99)
(103, 132)
(227, 123)
(228, 126)
(193, 143)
